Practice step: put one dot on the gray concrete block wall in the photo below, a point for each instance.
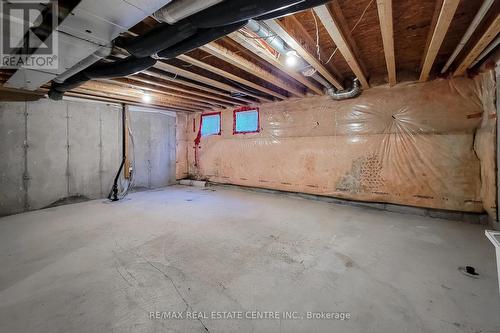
(51, 151)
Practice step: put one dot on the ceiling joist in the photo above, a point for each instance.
(446, 14)
(234, 59)
(205, 80)
(338, 38)
(279, 28)
(228, 75)
(384, 8)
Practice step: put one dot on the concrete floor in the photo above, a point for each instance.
(102, 267)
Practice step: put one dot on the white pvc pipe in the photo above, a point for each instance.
(486, 51)
(470, 30)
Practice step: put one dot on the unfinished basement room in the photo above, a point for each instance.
(249, 166)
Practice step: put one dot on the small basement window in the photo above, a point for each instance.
(210, 124)
(246, 120)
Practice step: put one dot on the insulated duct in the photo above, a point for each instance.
(292, 9)
(119, 68)
(238, 10)
(226, 13)
(167, 40)
(181, 9)
(203, 37)
(345, 94)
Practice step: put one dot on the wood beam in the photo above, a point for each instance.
(228, 75)
(340, 41)
(280, 30)
(276, 62)
(481, 44)
(82, 93)
(199, 78)
(234, 59)
(186, 99)
(216, 94)
(446, 14)
(384, 8)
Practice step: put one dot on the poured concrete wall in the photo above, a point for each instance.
(52, 151)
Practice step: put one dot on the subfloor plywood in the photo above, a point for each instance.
(99, 266)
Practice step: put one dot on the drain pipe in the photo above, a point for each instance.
(338, 95)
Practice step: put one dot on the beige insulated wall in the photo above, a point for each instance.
(412, 144)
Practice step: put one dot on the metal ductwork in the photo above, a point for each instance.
(81, 36)
(280, 46)
(101, 53)
(338, 95)
(180, 9)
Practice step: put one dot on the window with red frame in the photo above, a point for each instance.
(210, 124)
(246, 120)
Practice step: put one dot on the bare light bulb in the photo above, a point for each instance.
(146, 98)
(291, 59)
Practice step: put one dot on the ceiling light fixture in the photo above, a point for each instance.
(292, 58)
(146, 98)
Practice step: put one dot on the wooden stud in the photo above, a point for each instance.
(481, 44)
(279, 29)
(386, 26)
(446, 14)
(340, 41)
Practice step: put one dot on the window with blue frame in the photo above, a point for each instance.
(246, 120)
(210, 124)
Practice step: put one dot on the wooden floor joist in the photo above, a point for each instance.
(340, 41)
(195, 95)
(488, 36)
(280, 30)
(127, 82)
(230, 76)
(384, 8)
(276, 62)
(221, 52)
(106, 89)
(215, 94)
(446, 14)
(199, 78)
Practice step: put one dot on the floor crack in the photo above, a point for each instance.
(188, 306)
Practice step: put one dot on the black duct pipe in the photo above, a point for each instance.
(292, 9)
(203, 37)
(225, 13)
(158, 38)
(228, 12)
(119, 68)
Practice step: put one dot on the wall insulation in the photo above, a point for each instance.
(412, 144)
